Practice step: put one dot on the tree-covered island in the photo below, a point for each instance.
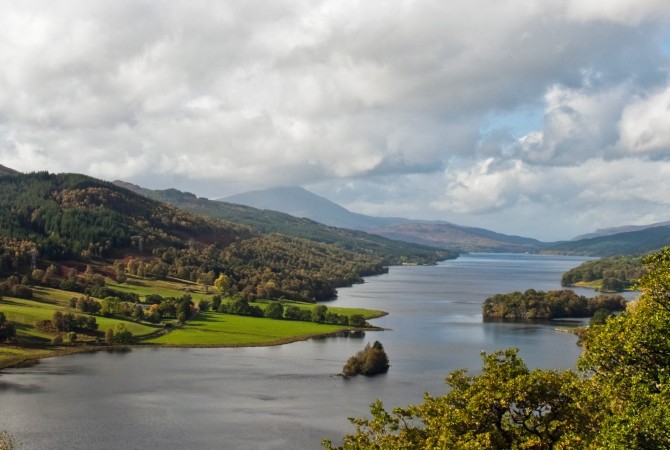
(540, 305)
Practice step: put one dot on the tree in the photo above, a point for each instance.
(207, 279)
(222, 283)
(357, 320)
(319, 313)
(109, 336)
(7, 329)
(204, 305)
(274, 310)
(372, 360)
(138, 312)
(216, 302)
(120, 272)
(121, 334)
(629, 358)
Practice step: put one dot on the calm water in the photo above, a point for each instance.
(287, 396)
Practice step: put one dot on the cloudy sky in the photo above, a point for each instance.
(541, 118)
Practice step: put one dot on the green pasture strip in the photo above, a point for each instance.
(216, 329)
(144, 287)
(26, 313)
(595, 284)
(367, 313)
(54, 296)
(138, 329)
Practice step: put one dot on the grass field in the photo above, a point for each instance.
(348, 312)
(207, 329)
(26, 313)
(164, 288)
(216, 329)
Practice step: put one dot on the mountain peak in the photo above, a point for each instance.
(300, 202)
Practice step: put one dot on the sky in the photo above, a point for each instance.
(545, 119)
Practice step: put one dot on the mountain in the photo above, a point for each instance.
(302, 203)
(467, 239)
(626, 243)
(7, 171)
(268, 221)
(617, 230)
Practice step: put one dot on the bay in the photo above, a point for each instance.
(287, 396)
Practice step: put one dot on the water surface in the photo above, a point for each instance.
(286, 396)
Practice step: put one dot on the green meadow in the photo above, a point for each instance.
(210, 328)
(216, 329)
(165, 288)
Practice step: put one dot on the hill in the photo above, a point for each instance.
(299, 202)
(627, 243)
(465, 239)
(269, 221)
(70, 215)
(617, 230)
(7, 171)
(78, 220)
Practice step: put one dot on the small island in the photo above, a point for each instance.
(540, 305)
(372, 360)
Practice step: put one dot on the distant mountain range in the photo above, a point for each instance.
(299, 202)
(618, 230)
(637, 242)
(268, 221)
(295, 211)
(605, 242)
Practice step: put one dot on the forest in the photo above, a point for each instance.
(54, 218)
(612, 274)
(540, 305)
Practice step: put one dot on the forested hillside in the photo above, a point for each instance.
(267, 221)
(68, 217)
(628, 243)
(614, 274)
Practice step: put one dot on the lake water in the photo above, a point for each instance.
(286, 396)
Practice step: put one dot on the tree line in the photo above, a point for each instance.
(540, 305)
(616, 273)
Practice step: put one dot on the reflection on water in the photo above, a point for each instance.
(287, 396)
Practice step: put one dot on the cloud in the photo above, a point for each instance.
(643, 128)
(418, 94)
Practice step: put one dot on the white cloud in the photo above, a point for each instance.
(643, 128)
(208, 93)
(630, 12)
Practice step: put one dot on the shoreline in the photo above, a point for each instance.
(28, 360)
